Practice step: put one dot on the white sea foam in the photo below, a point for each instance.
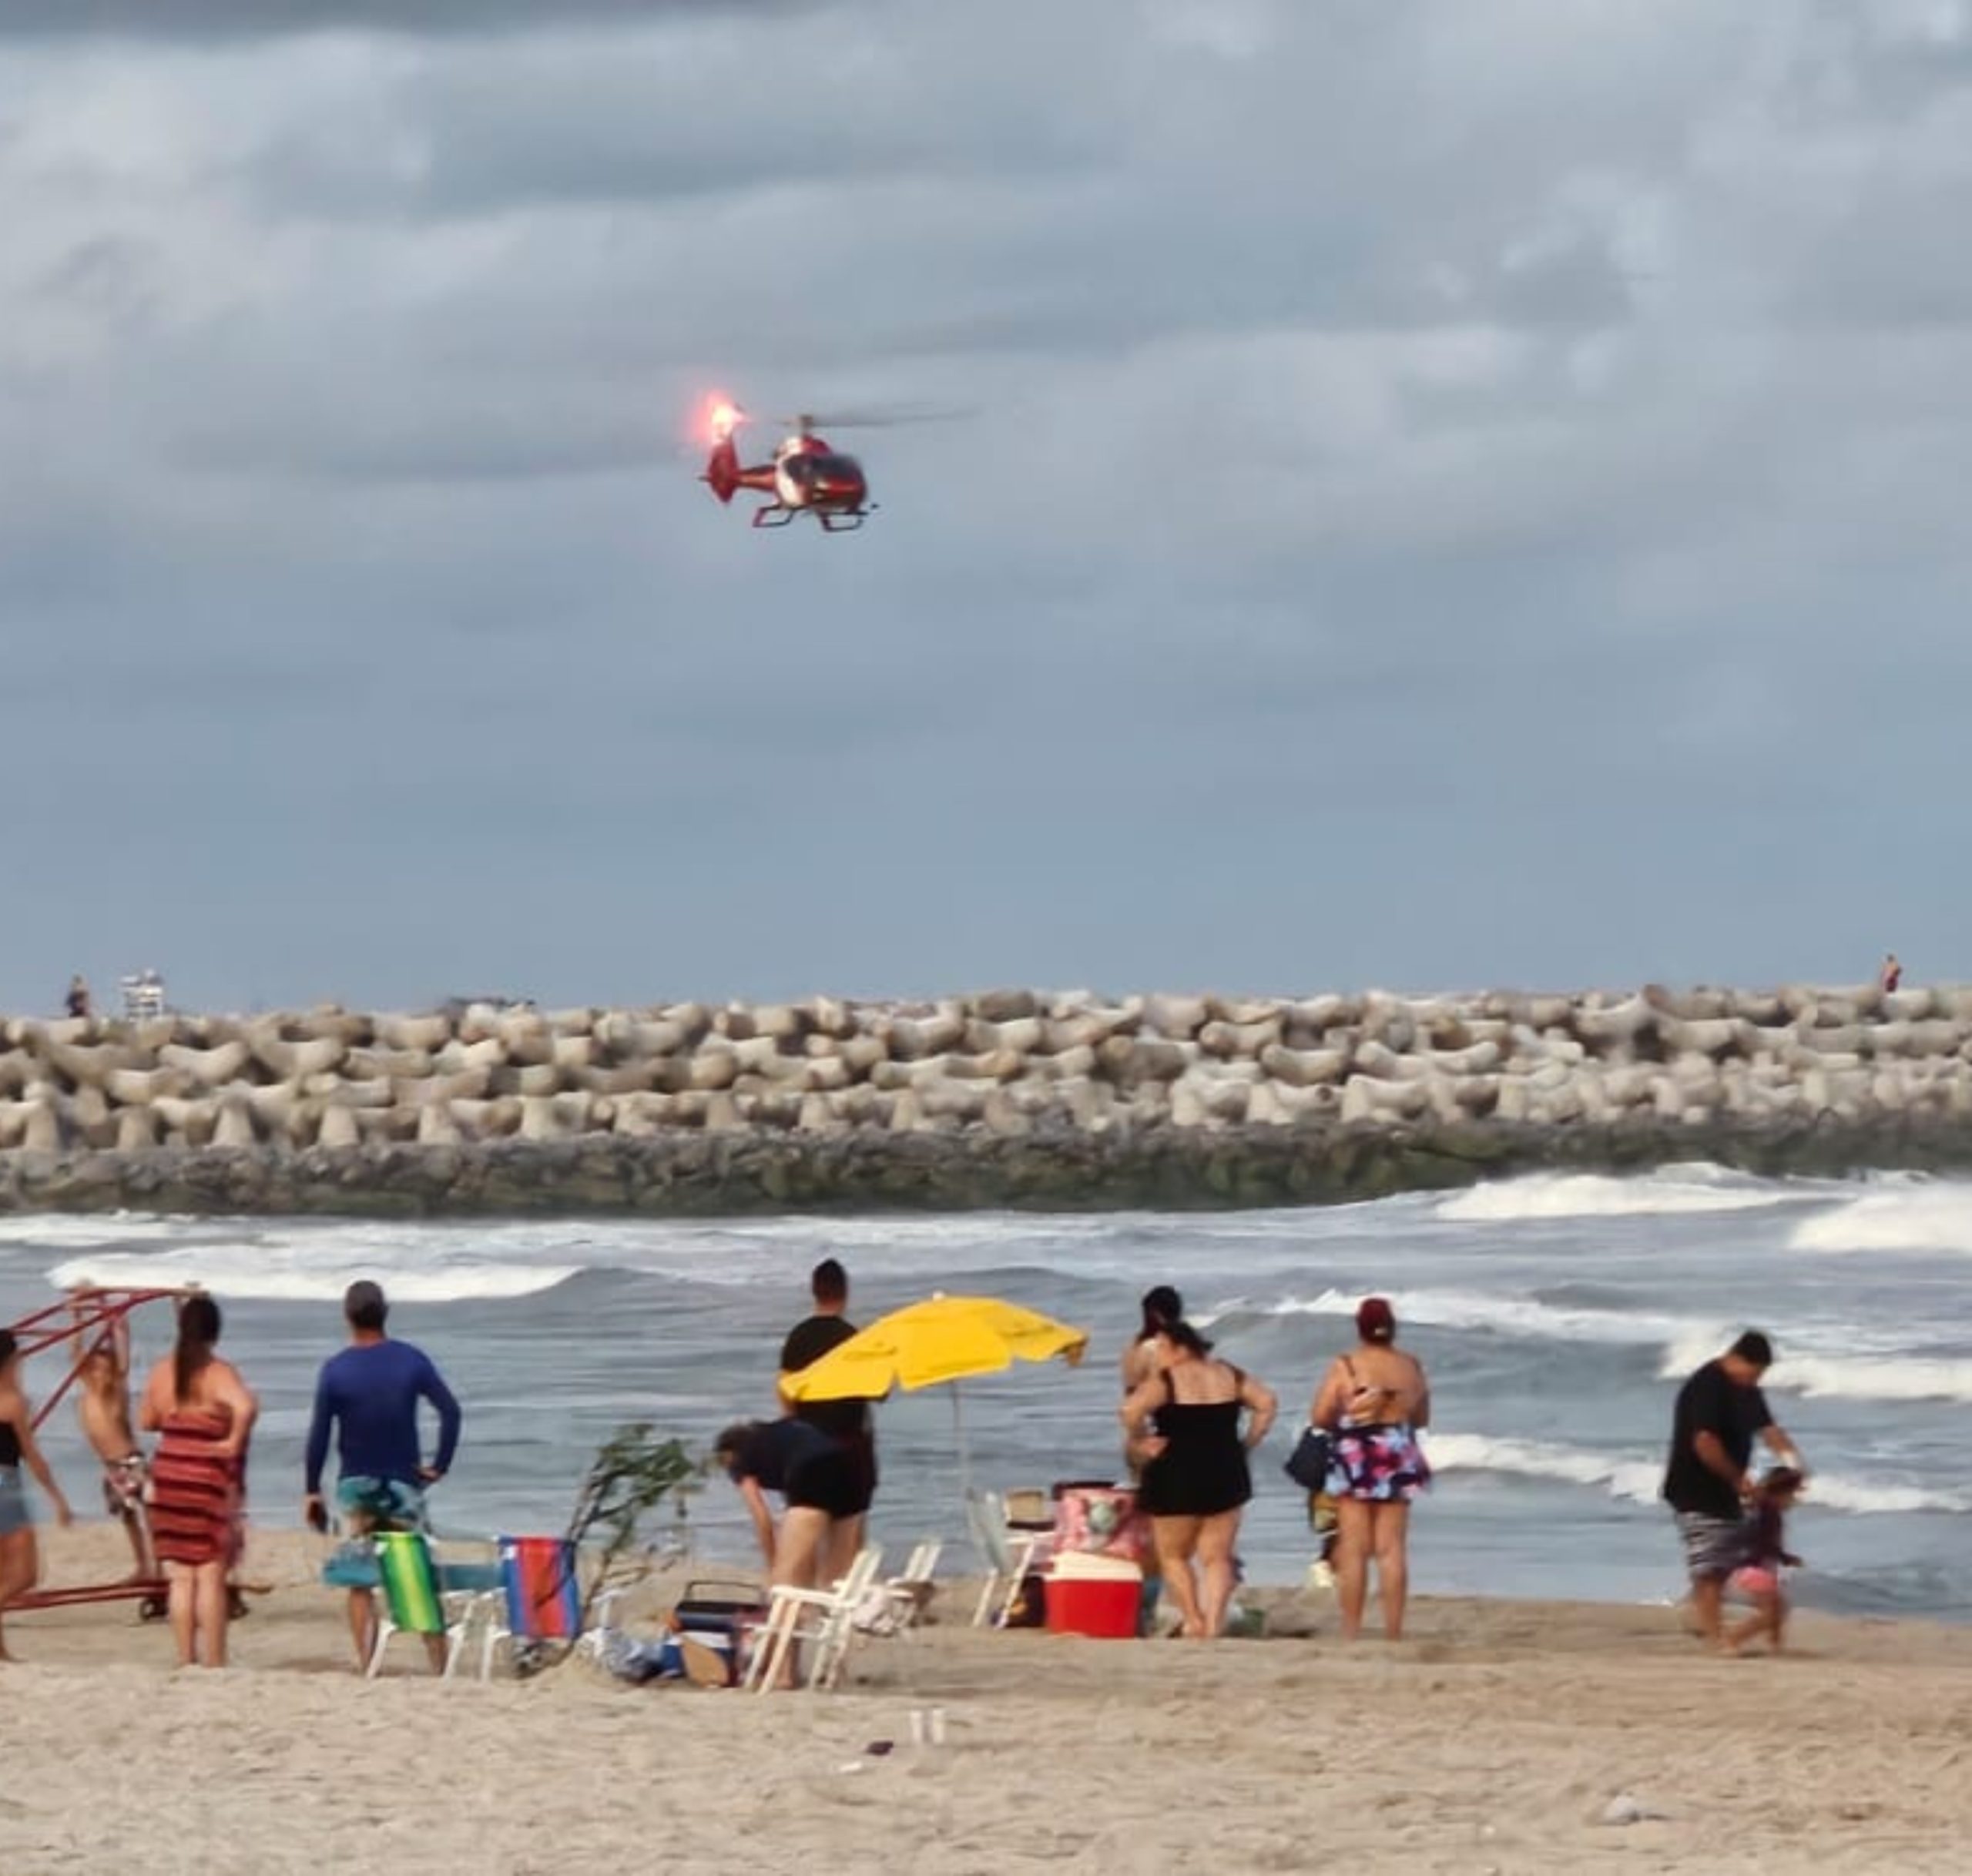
(1636, 1478)
(274, 1273)
(1818, 1372)
(1622, 1476)
(1914, 1218)
(1499, 1315)
(1818, 1367)
(56, 1231)
(1693, 1188)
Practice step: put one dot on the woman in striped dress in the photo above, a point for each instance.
(203, 1414)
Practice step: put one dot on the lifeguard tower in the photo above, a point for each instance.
(143, 996)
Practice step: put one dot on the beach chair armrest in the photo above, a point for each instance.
(807, 1599)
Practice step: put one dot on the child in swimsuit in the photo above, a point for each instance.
(1758, 1578)
(103, 1407)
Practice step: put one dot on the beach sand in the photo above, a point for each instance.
(1495, 1737)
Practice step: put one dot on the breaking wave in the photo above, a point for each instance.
(1635, 1477)
(272, 1273)
(1692, 1188)
(1936, 1218)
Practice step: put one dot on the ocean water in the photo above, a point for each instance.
(1555, 1314)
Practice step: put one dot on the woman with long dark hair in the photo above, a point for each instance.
(203, 1413)
(1142, 1359)
(1196, 1479)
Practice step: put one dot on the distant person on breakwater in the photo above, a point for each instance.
(1891, 975)
(850, 1422)
(370, 1392)
(1719, 1410)
(77, 1003)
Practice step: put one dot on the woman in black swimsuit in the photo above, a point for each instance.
(1196, 1478)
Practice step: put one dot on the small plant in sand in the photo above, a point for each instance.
(633, 1476)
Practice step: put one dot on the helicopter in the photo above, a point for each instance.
(806, 475)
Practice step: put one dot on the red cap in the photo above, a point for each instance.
(1375, 1320)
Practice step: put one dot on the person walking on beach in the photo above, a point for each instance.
(1374, 1402)
(850, 1422)
(203, 1414)
(1719, 1411)
(368, 1396)
(20, 1555)
(1196, 1480)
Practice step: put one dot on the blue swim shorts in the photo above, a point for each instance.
(379, 1504)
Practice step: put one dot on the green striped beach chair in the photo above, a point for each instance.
(424, 1597)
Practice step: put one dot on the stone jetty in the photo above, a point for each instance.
(1002, 1097)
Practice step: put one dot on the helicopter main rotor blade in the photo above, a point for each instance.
(881, 419)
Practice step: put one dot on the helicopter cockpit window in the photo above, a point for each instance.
(800, 468)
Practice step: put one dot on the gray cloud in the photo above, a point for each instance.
(194, 20)
(1456, 493)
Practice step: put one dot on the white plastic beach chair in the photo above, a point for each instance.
(1007, 1554)
(910, 1590)
(829, 1626)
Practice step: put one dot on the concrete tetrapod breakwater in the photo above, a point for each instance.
(999, 1098)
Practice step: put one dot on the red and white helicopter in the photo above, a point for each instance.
(806, 475)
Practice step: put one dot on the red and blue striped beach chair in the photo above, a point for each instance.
(541, 1578)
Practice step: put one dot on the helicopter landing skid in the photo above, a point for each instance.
(780, 516)
(841, 520)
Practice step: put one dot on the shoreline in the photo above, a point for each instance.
(690, 1174)
(1506, 1735)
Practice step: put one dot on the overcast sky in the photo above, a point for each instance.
(1454, 494)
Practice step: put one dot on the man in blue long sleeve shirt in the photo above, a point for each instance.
(369, 1395)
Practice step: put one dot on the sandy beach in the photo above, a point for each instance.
(1495, 1737)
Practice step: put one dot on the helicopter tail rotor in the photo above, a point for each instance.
(722, 469)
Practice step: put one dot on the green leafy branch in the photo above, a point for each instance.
(631, 1476)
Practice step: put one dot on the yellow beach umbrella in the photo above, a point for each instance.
(943, 1338)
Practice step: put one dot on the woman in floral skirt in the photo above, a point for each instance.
(1374, 1401)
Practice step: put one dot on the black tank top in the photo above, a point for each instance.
(10, 1444)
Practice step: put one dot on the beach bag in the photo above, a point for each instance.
(1029, 1607)
(1308, 1464)
(722, 1615)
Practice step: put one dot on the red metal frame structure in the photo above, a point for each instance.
(89, 1319)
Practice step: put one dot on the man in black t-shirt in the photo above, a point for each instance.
(1720, 1410)
(848, 1421)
